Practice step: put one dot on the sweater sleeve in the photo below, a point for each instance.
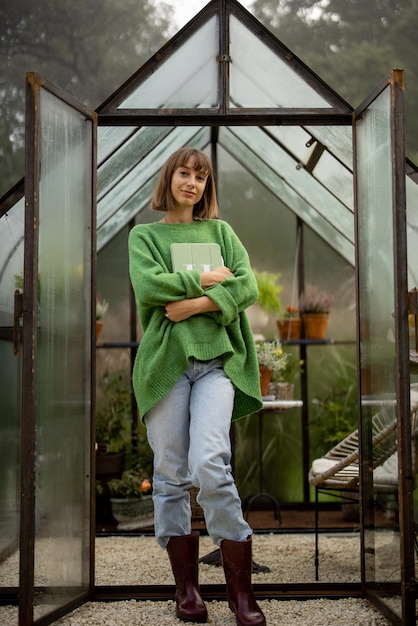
(237, 293)
(152, 280)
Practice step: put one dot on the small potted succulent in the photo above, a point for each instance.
(315, 306)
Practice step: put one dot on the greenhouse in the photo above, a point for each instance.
(320, 194)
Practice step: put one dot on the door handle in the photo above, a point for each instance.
(17, 314)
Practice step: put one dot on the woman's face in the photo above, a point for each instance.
(187, 185)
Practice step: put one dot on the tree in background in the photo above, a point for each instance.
(88, 48)
(352, 45)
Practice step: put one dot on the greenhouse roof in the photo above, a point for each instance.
(225, 80)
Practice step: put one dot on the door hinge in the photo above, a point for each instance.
(17, 314)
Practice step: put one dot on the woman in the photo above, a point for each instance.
(195, 371)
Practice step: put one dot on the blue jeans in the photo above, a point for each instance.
(188, 431)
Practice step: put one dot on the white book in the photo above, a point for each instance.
(203, 257)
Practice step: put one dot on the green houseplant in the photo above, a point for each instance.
(131, 499)
(271, 360)
(269, 291)
(268, 302)
(113, 422)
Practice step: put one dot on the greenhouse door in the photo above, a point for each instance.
(58, 365)
(387, 528)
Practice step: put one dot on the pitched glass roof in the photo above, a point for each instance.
(224, 78)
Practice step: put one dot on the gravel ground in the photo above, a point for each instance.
(290, 558)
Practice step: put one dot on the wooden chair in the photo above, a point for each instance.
(338, 469)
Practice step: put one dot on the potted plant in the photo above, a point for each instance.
(113, 421)
(101, 307)
(315, 306)
(289, 326)
(268, 302)
(283, 382)
(131, 499)
(271, 359)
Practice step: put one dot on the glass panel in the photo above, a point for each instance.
(110, 138)
(294, 139)
(63, 356)
(377, 344)
(323, 213)
(188, 78)
(337, 139)
(412, 230)
(253, 86)
(10, 381)
(335, 177)
(11, 259)
(129, 154)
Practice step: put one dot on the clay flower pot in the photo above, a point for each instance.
(315, 325)
(265, 379)
(289, 328)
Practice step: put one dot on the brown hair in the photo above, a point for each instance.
(162, 199)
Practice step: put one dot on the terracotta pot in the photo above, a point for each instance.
(99, 326)
(290, 328)
(315, 325)
(265, 379)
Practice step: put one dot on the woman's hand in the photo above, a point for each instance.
(208, 279)
(183, 309)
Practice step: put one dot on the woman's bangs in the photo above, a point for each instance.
(197, 161)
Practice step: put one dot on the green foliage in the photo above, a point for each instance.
(270, 354)
(129, 486)
(139, 456)
(269, 291)
(113, 417)
(291, 370)
(87, 48)
(352, 44)
(334, 412)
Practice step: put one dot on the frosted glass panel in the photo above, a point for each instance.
(63, 367)
(377, 340)
(259, 78)
(188, 78)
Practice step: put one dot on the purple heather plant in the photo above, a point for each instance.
(313, 300)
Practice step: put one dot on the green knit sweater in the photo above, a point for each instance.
(164, 351)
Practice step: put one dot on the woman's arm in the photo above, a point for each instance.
(183, 309)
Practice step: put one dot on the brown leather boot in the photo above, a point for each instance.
(237, 561)
(183, 552)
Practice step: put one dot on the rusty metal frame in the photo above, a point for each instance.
(26, 595)
(407, 587)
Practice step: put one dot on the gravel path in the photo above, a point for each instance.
(290, 558)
